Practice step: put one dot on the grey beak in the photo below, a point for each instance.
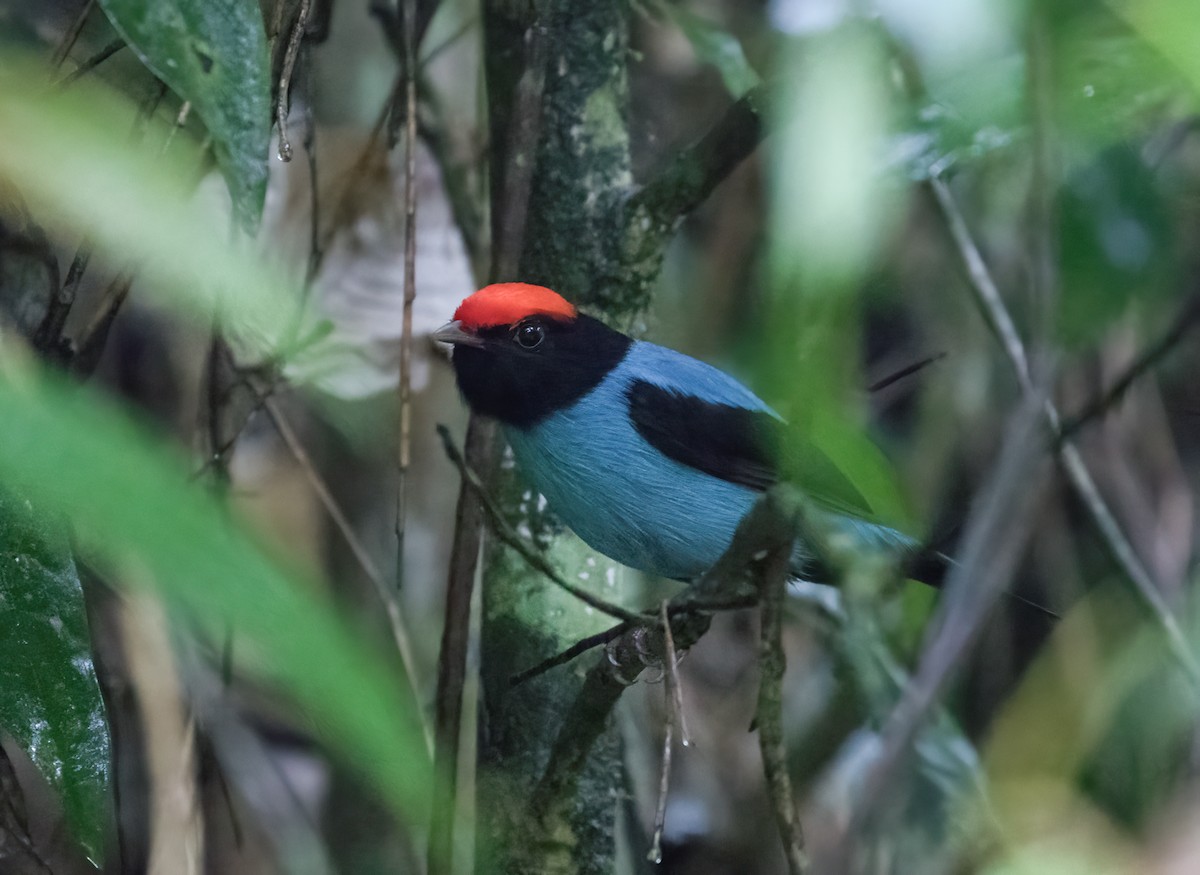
(453, 332)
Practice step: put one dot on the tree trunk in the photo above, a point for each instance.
(573, 235)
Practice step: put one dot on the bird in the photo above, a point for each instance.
(652, 457)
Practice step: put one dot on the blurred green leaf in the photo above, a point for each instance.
(1118, 243)
(830, 204)
(49, 697)
(214, 54)
(1170, 28)
(714, 46)
(73, 165)
(130, 500)
(1112, 86)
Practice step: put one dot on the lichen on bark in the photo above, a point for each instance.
(572, 242)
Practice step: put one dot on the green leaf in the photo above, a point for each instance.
(214, 54)
(49, 697)
(863, 465)
(715, 46)
(130, 500)
(1168, 26)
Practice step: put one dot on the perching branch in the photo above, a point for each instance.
(771, 525)
(988, 298)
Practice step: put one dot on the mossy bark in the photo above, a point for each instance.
(573, 239)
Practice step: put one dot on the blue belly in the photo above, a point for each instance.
(624, 498)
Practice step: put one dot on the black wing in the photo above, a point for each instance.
(749, 447)
(729, 442)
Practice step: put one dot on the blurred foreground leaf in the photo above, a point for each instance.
(1171, 27)
(131, 502)
(831, 206)
(78, 170)
(214, 54)
(49, 697)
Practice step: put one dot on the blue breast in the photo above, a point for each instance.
(617, 492)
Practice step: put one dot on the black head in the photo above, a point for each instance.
(522, 372)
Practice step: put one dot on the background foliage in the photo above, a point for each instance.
(206, 663)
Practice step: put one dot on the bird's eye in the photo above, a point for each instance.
(530, 335)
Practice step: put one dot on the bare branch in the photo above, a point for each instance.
(91, 63)
(456, 632)
(403, 438)
(664, 788)
(769, 711)
(71, 35)
(772, 521)
(674, 687)
(988, 298)
(1180, 327)
(580, 647)
(285, 78)
(690, 177)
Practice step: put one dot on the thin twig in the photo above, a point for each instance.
(664, 786)
(511, 539)
(579, 648)
(674, 687)
(1183, 323)
(675, 608)
(49, 333)
(991, 304)
(314, 203)
(17, 847)
(523, 138)
(90, 344)
(343, 202)
(455, 176)
(94, 338)
(181, 119)
(71, 36)
(404, 436)
(91, 63)
(390, 605)
(285, 78)
(462, 31)
(479, 445)
(895, 377)
(768, 715)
